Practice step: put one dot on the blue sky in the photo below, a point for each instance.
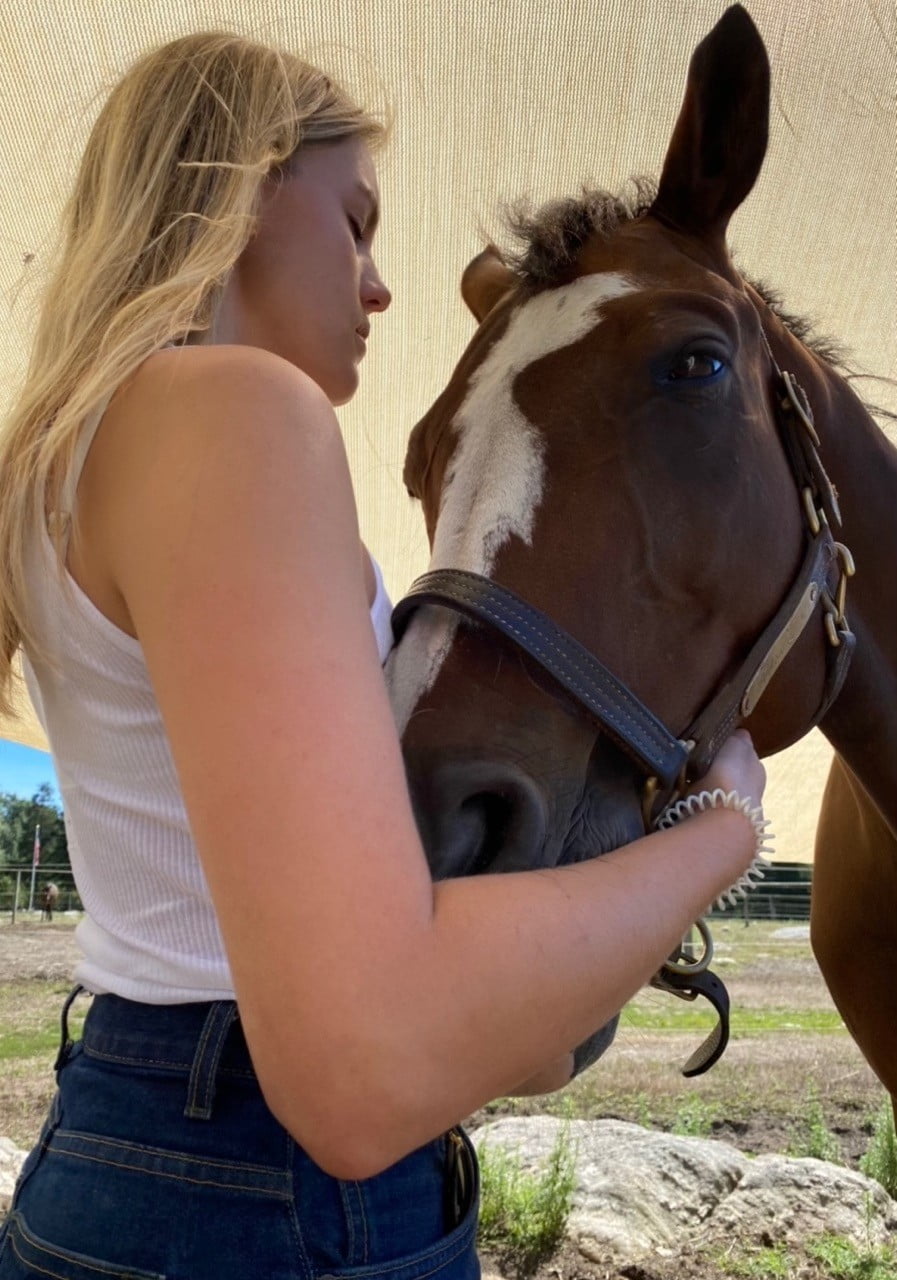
(22, 770)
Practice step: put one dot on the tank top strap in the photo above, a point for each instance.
(63, 515)
(60, 520)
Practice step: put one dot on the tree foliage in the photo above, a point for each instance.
(19, 818)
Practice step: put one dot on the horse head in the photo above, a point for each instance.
(609, 450)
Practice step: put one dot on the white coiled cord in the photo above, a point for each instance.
(688, 806)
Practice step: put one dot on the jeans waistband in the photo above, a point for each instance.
(202, 1041)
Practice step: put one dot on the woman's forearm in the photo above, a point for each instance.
(512, 972)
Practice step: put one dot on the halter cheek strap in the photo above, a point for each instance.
(818, 582)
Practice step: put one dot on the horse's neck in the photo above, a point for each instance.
(862, 725)
(862, 464)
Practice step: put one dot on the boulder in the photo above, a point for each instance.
(11, 1158)
(640, 1192)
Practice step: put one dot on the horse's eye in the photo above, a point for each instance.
(694, 364)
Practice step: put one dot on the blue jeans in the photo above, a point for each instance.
(159, 1160)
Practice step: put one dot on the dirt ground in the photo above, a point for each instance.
(32, 950)
(777, 1087)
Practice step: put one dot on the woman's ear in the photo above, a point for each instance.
(486, 281)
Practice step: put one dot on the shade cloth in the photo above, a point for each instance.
(494, 99)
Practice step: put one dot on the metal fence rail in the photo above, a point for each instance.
(783, 895)
(22, 891)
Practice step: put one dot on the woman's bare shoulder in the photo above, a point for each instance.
(185, 407)
(204, 381)
(193, 429)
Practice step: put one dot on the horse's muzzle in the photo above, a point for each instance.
(477, 815)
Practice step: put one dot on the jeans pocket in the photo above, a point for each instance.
(25, 1256)
(454, 1256)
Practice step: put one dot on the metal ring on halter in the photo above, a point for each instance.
(703, 961)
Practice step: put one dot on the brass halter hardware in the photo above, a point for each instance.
(682, 963)
(835, 619)
(815, 517)
(649, 795)
(652, 788)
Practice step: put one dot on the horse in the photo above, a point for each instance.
(646, 490)
(48, 899)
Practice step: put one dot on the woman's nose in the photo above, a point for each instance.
(376, 295)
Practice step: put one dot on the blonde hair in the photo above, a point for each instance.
(165, 201)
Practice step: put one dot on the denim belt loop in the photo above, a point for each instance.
(206, 1060)
(66, 1043)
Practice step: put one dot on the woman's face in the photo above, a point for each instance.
(306, 284)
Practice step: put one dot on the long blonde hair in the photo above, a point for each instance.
(165, 201)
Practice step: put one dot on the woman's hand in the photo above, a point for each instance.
(736, 767)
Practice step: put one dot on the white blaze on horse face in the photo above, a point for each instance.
(494, 480)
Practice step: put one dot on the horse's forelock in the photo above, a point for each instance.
(551, 237)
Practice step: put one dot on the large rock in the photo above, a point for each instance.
(639, 1192)
(795, 1200)
(10, 1163)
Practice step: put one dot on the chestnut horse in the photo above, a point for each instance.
(620, 449)
(48, 899)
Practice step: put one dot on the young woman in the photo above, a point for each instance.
(182, 567)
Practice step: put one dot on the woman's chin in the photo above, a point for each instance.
(341, 390)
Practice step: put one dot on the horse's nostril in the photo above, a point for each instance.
(493, 813)
(479, 816)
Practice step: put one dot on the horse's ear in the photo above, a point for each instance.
(720, 138)
(485, 282)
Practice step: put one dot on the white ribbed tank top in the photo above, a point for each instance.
(149, 932)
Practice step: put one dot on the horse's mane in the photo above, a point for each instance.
(550, 239)
(834, 353)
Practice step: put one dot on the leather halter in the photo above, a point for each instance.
(667, 760)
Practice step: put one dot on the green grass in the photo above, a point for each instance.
(843, 1260)
(812, 1137)
(27, 1044)
(694, 1117)
(523, 1215)
(29, 1018)
(762, 1264)
(880, 1160)
(745, 1022)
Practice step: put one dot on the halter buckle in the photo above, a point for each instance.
(815, 515)
(835, 617)
(796, 399)
(683, 963)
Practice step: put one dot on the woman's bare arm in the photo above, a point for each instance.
(378, 1007)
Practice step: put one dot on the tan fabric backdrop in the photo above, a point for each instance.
(493, 99)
